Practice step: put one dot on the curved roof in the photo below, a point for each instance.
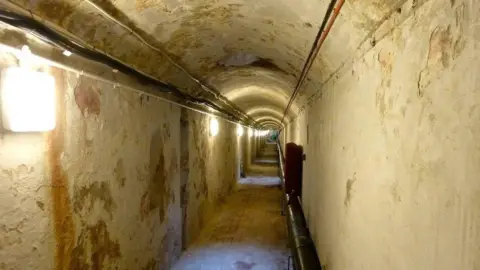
(250, 51)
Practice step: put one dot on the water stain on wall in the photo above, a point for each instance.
(119, 172)
(57, 10)
(94, 247)
(141, 5)
(87, 98)
(200, 144)
(307, 25)
(200, 18)
(150, 265)
(386, 60)
(438, 57)
(86, 196)
(348, 190)
(159, 192)
(41, 205)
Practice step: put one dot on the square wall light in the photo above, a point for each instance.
(27, 100)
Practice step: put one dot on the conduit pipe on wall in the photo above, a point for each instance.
(238, 116)
(331, 16)
(301, 244)
(58, 39)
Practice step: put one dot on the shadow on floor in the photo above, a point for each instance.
(247, 233)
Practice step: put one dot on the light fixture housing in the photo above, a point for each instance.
(28, 100)
(214, 127)
(239, 131)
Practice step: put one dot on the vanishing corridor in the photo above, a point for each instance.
(247, 232)
(240, 134)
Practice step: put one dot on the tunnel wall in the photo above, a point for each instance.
(213, 170)
(391, 175)
(102, 191)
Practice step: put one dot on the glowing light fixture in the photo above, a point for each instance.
(28, 100)
(250, 132)
(239, 131)
(264, 132)
(214, 127)
(67, 53)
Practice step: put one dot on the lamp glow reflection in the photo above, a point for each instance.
(28, 100)
(214, 128)
(239, 131)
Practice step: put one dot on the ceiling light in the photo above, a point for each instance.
(67, 53)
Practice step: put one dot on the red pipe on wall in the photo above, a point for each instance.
(312, 56)
(325, 32)
(336, 11)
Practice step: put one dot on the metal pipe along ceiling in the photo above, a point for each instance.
(53, 37)
(317, 44)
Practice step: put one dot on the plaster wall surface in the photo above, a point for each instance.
(102, 191)
(213, 170)
(391, 175)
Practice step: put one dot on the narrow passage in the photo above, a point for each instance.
(247, 233)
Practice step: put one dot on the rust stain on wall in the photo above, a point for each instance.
(62, 206)
(87, 98)
(94, 247)
(85, 197)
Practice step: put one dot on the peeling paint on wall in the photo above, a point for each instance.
(86, 196)
(95, 249)
(159, 193)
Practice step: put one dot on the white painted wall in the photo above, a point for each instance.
(391, 176)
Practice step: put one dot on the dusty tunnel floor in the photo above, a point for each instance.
(247, 233)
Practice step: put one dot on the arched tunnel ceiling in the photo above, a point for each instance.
(268, 119)
(260, 111)
(250, 51)
(271, 125)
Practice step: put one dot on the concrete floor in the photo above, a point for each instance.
(247, 233)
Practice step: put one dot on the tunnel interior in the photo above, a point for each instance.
(167, 115)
